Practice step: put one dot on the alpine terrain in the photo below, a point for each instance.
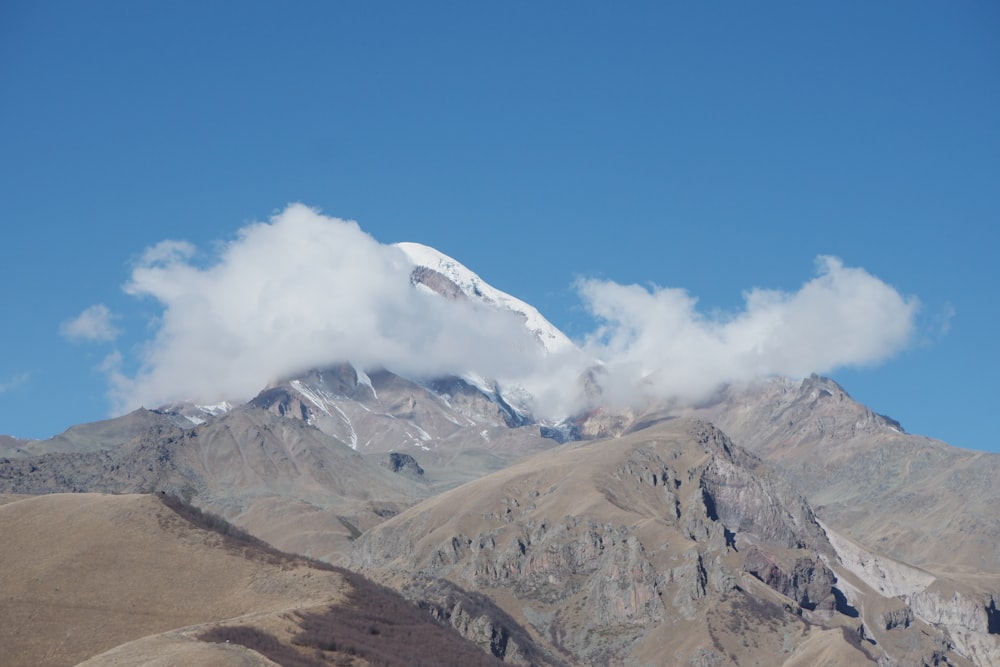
(357, 514)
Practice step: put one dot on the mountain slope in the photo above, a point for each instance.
(456, 430)
(278, 478)
(84, 573)
(145, 581)
(914, 498)
(90, 437)
(669, 541)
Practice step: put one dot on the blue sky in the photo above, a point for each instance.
(715, 147)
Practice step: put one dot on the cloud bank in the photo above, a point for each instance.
(305, 290)
(300, 291)
(655, 343)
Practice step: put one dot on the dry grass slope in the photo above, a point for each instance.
(138, 578)
(86, 572)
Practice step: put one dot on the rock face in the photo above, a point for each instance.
(403, 464)
(806, 580)
(970, 617)
(915, 499)
(964, 607)
(667, 539)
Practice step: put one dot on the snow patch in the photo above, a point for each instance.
(325, 402)
(363, 379)
(216, 409)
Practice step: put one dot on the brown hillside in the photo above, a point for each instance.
(85, 572)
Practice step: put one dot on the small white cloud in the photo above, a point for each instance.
(93, 324)
(944, 318)
(14, 382)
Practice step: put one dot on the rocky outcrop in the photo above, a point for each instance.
(806, 580)
(970, 619)
(437, 282)
(887, 576)
(477, 618)
(402, 464)
(897, 618)
(967, 616)
(757, 502)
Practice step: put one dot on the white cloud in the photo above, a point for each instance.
(305, 290)
(299, 291)
(14, 382)
(655, 342)
(93, 324)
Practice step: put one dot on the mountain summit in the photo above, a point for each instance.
(446, 276)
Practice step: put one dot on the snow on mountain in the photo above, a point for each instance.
(196, 413)
(475, 287)
(341, 398)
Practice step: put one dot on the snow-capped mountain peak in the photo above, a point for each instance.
(474, 287)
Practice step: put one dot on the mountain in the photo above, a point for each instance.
(668, 545)
(778, 518)
(94, 436)
(10, 444)
(435, 271)
(278, 478)
(457, 430)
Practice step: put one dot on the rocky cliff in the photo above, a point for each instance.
(916, 499)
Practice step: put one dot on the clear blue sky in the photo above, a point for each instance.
(711, 146)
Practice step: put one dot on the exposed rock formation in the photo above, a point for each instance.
(403, 464)
(916, 499)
